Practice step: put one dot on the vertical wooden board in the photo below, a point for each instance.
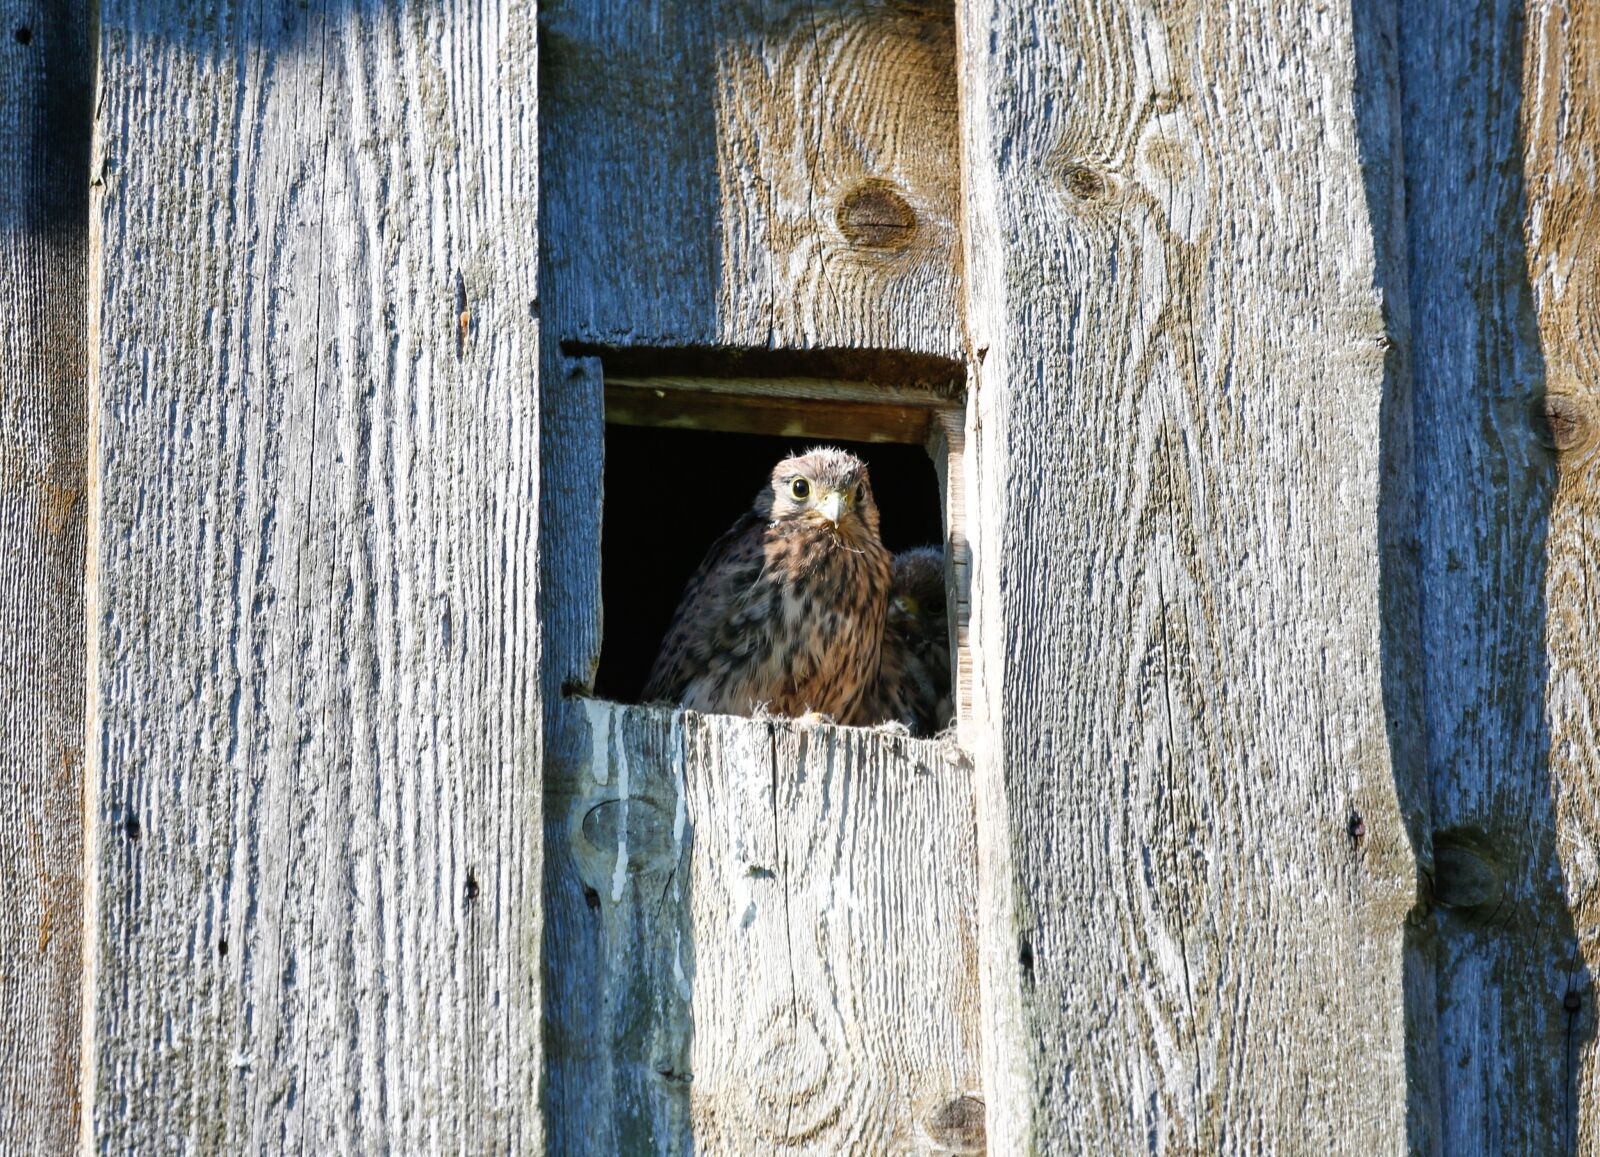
(761, 175)
(617, 944)
(1560, 123)
(46, 96)
(842, 973)
(836, 155)
(314, 651)
(1561, 140)
(1499, 120)
(1174, 291)
(781, 924)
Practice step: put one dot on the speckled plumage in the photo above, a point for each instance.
(913, 685)
(786, 612)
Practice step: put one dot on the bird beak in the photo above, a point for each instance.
(829, 506)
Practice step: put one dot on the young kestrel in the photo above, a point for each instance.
(913, 684)
(787, 610)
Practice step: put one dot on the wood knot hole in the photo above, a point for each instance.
(1084, 183)
(958, 1125)
(1565, 422)
(874, 215)
(1466, 877)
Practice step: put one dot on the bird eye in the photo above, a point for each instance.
(800, 488)
(861, 491)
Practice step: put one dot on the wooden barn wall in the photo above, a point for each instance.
(314, 650)
(758, 938)
(1502, 126)
(1196, 830)
(1275, 828)
(46, 92)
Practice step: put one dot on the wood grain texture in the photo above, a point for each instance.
(1561, 158)
(1499, 125)
(742, 175)
(314, 647)
(46, 96)
(786, 924)
(692, 212)
(1174, 290)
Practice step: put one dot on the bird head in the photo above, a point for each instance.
(827, 488)
(916, 595)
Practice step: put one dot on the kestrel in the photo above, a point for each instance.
(913, 684)
(786, 613)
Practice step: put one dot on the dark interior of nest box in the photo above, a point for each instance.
(707, 447)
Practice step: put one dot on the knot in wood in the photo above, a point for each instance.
(957, 1125)
(1565, 422)
(1465, 878)
(794, 1091)
(874, 215)
(641, 826)
(1083, 182)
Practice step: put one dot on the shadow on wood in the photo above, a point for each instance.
(1500, 1016)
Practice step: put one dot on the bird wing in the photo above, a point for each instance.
(732, 563)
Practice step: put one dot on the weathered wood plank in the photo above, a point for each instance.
(314, 646)
(46, 88)
(695, 221)
(1500, 190)
(1182, 405)
(786, 924)
(1504, 938)
(1561, 141)
(744, 174)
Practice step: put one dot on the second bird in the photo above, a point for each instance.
(786, 613)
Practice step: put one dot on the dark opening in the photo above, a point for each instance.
(649, 547)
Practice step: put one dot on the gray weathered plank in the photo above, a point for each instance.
(1174, 269)
(704, 194)
(1500, 198)
(786, 927)
(1561, 141)
(314, 647)
(46, 86)
(777, 178)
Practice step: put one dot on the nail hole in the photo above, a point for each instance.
(131, 826)
(1025, 957)
(1572, 1002)
(24, 35)
(472, 885)
(222, 947)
